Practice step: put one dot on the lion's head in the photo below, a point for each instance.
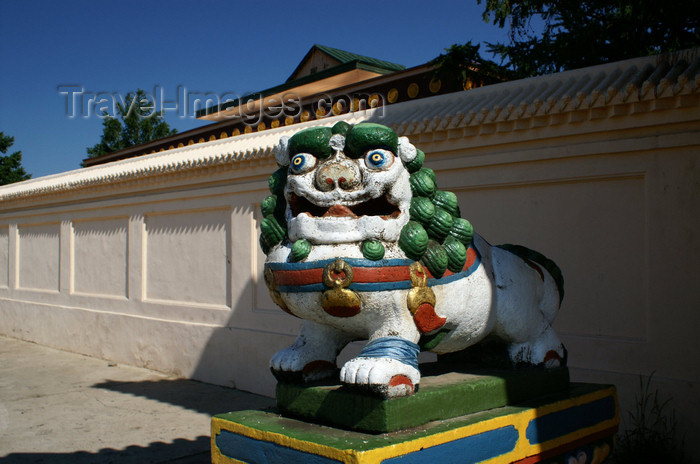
(346, 184)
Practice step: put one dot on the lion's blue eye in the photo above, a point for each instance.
(301, 163)
(379, 159)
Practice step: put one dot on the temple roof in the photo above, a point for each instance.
(331, 61)
(337, 56)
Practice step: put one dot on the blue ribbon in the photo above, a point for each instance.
(396, 348)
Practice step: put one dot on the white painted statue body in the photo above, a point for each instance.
(497, 294)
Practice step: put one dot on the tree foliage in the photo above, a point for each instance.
(463, 66)
(553, 35)
(137, 122)
(11, 169)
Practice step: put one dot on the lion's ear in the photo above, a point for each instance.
(281, 152)
(406, 151)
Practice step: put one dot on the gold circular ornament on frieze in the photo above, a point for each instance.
(413, 90)
(435, 85)
(392, 96)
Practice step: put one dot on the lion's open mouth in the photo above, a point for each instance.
(380, 206)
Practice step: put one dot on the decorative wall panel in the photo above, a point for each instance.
(4, 256)
(39, 255)
(100, 257)
(187, 257)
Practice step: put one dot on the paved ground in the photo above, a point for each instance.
(58, 407)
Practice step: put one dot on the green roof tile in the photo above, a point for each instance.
(342, 55)
(347, 57)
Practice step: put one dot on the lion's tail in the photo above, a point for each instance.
(540, 259)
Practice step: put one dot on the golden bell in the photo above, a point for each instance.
(339, 301)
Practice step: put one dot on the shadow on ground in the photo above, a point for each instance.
(182, 451)
(196, 396)
(189, 395)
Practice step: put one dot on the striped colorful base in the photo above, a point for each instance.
(577, 423)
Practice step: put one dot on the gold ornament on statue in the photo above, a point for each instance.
(339, 301)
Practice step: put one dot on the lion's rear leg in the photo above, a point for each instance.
(545, 350)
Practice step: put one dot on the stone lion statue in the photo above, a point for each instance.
(362, 245)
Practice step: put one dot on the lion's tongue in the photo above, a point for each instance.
(339, 211)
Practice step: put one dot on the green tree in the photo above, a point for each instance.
(553, 35)
(137, 122)
(11, 169)
(462, 66)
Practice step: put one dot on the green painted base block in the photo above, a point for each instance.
(577, 424)
(441, 396)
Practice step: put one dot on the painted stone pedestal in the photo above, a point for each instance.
(573, 425)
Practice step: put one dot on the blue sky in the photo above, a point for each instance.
(203, 46)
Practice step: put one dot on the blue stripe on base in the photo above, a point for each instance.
(475, 448)
(254, 451)
(560, 423)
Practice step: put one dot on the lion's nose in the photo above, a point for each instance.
(337, 174)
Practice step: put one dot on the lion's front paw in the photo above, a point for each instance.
(386, 377)
(298, 366)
